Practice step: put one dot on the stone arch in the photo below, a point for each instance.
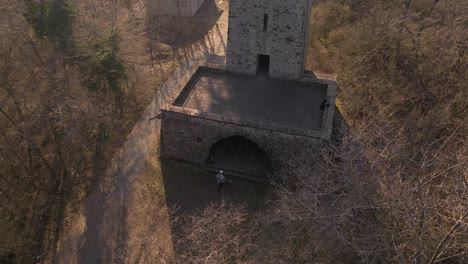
(240, 156)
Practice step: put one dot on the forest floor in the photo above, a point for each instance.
(125, 217)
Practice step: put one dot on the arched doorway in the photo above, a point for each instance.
(241, 157)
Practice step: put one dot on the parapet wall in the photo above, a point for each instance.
(190, 138)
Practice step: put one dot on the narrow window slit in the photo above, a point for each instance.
(265, 22)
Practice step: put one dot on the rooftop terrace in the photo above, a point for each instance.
(302, 108)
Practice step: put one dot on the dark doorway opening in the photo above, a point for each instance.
(238, 156)
(263, 63)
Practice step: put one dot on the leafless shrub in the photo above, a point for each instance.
(349, 204)
(328, 201)
(402, 67)
(220, 233)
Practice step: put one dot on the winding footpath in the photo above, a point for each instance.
(125, 218)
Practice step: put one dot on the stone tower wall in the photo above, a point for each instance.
(190, 138)
(284, 40)
(184, 8)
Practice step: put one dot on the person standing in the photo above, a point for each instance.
(220, 179)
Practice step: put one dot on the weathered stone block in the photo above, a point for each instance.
(277, 28)
(189, 138)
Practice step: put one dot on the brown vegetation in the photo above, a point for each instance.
(67, 100)
(220, 233)
(395, 190)
(403, 69)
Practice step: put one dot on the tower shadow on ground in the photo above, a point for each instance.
(179, 32)
(189, 189)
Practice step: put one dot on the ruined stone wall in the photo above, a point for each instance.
(184, 8)
(284, 40)
(190, 138)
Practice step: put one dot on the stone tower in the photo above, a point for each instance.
(232, 117)
(268, 36)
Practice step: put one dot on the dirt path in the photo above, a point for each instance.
(125, 218)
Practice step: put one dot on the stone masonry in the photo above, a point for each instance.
(185, 8)
(278, 28)
(190, 138)
(287, 113)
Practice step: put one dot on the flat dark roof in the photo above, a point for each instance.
(291, 103)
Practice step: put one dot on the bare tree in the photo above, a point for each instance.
(220, 233)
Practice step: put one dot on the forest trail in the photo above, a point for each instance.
(125, 218)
